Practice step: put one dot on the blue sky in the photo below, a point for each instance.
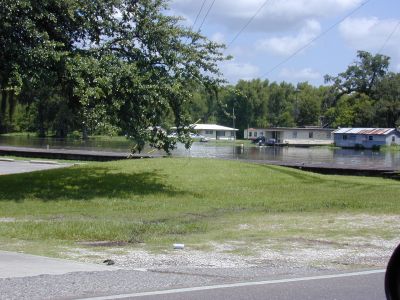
(284, 26)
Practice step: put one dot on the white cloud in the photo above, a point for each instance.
(218, 37)
(306, 74)
(276, 15)
(287, 45)
(234, 71)
(371, 34)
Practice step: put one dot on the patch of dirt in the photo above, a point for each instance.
(348, 250)
(7, 220)
(103, 244)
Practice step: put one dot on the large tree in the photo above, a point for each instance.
(365, 94)
(361, 76)
(37, 36)
(122, 62)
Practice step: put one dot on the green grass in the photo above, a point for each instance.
(390, 148)
(24, 134)
(158, 201)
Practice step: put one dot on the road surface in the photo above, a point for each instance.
(32, 277)
(22, 166)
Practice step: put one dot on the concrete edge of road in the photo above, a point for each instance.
(17, 264)
(233, 285)
(7, 159)
(44, 162)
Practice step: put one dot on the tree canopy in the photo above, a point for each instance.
(366, 94)
(119, 63)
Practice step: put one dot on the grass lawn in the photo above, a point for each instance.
(160, 201)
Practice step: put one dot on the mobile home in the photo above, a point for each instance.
(367, 138)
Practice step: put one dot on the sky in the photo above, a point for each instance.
(284, 27)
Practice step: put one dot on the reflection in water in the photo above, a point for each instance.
(310, 155)
(212, 150)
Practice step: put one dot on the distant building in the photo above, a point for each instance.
(293, 136)
(366, 137)
(215, 132)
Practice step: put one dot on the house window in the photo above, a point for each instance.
(311, 134)
(344, 136)
(261, 133)
(250, 134)
(393, 139)
(255, 133)
(371, 138)
(294, 134)
(232, 133)
(209, 131)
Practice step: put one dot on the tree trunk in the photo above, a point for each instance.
(11, 107)
(3, 102)
(42, 131)
(3, 109)
(85, 135)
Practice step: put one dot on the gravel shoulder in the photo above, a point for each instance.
(332, 242)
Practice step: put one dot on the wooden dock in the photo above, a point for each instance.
(70, 154)
(335, 169)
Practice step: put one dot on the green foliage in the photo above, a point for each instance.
(262, 104)
(362, 75)
(365, 95)
(308, 101)
(388, 100)
(107, 64)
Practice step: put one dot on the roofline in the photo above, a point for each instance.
(292, 128)
(366, 131)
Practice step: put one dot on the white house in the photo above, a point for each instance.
(215, 132)
(293, 136)
(366, 137)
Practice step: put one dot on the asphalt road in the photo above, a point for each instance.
(34, 277)
(353, 286)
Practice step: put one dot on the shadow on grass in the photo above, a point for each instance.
(82, 184)
(306, 177)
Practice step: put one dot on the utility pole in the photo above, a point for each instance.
(233, 121)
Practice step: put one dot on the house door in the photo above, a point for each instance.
(276, 135)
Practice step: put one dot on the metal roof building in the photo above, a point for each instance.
(376, 131)
(365, 137)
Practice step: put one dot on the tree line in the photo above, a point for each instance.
(122, 67)
(366, 94)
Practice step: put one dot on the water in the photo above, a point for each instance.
(75, 144)
(311, 155)
(317, 155)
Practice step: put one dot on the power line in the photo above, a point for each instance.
(247, 24)
(314, 39)
(389, 37)
(208, 11)
(198, 14)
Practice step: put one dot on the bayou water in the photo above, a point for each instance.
(226, 150)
